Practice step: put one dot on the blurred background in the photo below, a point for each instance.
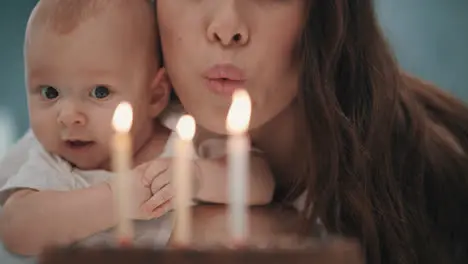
(429, 37)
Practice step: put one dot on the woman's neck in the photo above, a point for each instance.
(278, 139)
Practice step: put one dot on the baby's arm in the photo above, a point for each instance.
(212, 181)
(32, 220)
(48, 208)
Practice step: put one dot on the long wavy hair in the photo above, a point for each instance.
(390, 163)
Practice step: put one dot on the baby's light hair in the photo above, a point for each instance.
(63, 16)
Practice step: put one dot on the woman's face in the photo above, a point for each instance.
(212, 47)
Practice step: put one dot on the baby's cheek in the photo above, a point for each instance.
(44, 126)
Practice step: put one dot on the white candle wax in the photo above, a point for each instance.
(182, 181)
(238, 173)
(238, 150)
(121, 166)
(121, 150)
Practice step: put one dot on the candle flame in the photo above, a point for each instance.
(238, 117)
(123, 117)
(186, 127)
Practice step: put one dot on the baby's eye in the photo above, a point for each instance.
(100, 92)
(49, 92)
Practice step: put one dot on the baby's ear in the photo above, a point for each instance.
(160, 91)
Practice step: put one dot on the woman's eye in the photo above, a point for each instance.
(49, 92)
(100, 92)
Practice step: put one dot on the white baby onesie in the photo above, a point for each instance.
(44, 171)
(41, 170)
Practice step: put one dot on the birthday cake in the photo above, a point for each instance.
(274, 238)
(336, 251)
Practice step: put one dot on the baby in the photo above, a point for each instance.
(82, 59)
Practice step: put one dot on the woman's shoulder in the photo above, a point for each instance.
(444, 150)
(443, 116)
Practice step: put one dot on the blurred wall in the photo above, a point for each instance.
(13, 18)
(430, 38)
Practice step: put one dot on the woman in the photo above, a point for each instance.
(381, 155)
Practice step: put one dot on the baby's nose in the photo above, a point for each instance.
(71, 116)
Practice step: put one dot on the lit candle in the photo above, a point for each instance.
(182, 180)
(121, 165)
(238, 149)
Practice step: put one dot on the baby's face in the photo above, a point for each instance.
(75, 82)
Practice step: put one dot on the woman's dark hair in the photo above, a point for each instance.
(390, 163)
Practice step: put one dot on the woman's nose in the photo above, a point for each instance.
(70, 115)
(227, 26)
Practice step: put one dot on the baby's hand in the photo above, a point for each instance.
(160, 202)
(144, 203)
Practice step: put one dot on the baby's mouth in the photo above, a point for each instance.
(78, 144)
